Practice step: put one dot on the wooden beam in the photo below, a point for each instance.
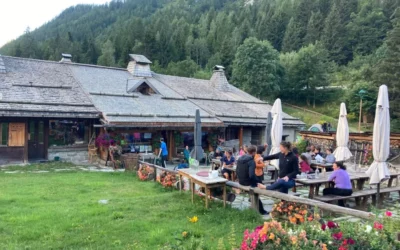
(314, 203)
(171, 144)
(240, 136)
(46, 138)
(26, 143)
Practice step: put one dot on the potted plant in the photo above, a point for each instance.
(156, 142)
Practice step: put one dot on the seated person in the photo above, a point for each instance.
(295, 151)
(260, 165)
(308, 155)
(246, 172)
(317, 151)
(186, 154)
(304, 166)
(342, 182)
(227, 163)
(218, 153)
(288, 169)
(330, 158)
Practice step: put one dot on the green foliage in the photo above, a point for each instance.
(107, 57)
(257, 69)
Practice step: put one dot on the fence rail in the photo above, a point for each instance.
(256, 192)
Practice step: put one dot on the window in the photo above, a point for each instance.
(66, 132)
(3, 134)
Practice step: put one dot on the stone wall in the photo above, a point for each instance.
(76, 155)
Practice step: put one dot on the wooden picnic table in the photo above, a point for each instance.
(314, 184)
(316, 164)
(204, 182)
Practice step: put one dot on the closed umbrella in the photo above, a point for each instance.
(342, 152)
(378, 171)
(268, 133)
(198, 150)
(276, 129)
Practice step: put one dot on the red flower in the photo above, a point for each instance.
(388, 214)
(323, 227)
(351, 241)
(342, 248)
(378, 226)
(337, 236)
(344, 243)
(332, 224)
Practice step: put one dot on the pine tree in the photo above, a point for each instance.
(314, 28)
(291, 40)
(388, 69)
(107, 57)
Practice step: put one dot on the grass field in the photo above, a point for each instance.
(61, 210)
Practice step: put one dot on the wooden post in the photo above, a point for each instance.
(359, 118)
(46, 138)
(254, 199)
(171, 144)
(26, 143)
(241, 136)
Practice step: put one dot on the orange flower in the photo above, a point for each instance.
(293, 219)
(290, 208)
(301, 219)
(310, 218)
(298, 216)
(324, 247)
(271, 236)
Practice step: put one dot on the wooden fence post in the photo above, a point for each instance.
(254, 199)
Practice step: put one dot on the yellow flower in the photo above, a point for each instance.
(184, 234)
(194, 219)
(272, 236)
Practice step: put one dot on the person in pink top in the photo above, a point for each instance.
(342, 182)
(304, 166)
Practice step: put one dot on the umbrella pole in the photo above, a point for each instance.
(378, 191)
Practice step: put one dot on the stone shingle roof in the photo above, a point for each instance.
(32, 88)
(232, 106)
(140, 58)
(119, 107)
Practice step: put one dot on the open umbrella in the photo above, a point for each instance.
(342, 152)
(198, 150)
(268, 133)
(276, 130)
(378, 171)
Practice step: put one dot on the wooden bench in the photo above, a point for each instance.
(365, 194)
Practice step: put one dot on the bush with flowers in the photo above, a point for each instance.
(295, 213)
(317, 234)
(168, 180)
(145, 172)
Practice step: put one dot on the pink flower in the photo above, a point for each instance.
(244, 246)
(337, 236)
(388, 214)
(263, 238)
(351, 241)
(323, 227)
(254, 244)
(331, 224)
(378, 226)
(246, 235)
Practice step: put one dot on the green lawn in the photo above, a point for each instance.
(60, 210)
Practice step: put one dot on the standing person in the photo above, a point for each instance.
(260, 165)
(342, 182)
(186, 154)
(246, 172)
(227, 163)
(163, 153)
(288, 169)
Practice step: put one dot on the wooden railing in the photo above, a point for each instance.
(255, 193)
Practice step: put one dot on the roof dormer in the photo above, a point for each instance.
(139, 66)
(142, 86)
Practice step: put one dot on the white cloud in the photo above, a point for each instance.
(16, 16)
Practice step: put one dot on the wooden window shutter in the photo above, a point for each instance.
(16, 136)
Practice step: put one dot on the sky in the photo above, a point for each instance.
(17, 15)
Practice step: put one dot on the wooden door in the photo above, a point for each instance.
(36, 145)
(16, 135)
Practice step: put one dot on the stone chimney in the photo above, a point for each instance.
(139, 66)
(66, 58)
(218, 79)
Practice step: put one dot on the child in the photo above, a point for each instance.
(259, 163)
(304, 166)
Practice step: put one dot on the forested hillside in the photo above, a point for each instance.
(305, 51)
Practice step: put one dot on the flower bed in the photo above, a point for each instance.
(314, 233)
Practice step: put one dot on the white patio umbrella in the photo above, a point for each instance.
(342, 152)
(276, 130)
(378, 171)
